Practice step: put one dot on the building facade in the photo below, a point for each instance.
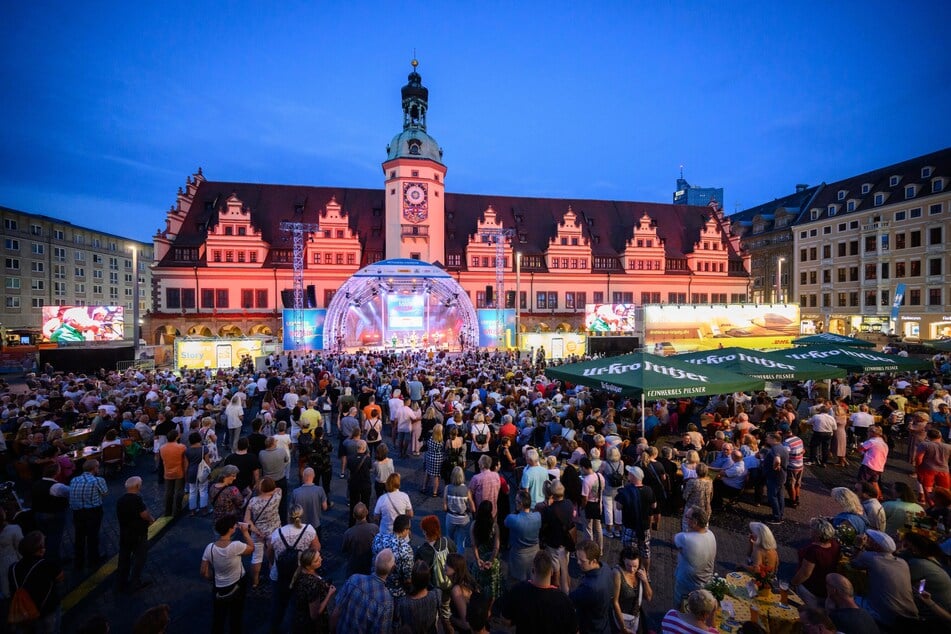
(766, 232)
(48, 262)
(222, 261)
(864, 240)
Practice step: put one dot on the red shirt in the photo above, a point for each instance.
(173, 457)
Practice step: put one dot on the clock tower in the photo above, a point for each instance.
(414, 180)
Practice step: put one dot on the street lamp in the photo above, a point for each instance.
(518, 300)
(779, 278)
(135, 303)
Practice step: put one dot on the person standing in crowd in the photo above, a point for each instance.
(85, 499)
(418, 611)
(311, 498)
(297, 536)
(484, 535)
(536, 605)
(931, 463)
(176, 466)
(134, 521)
(698, 492)
(398, 543)
(320, 461)
(359, 485)
(592, 488)
(248, 467)
(392, 504)
(637, 505)
(458, 505)
(486, 484)
(262, 517)
(234, 420)
(311, 595)
(874, 456)
(274, 463)
(50, 502)
(358, 542)
(224, 497)
(221, 563)
(631, 589)
(696, 554)
(796, 463)
(823, 427)
(364, 604)
(558, 532)
(524, 527)
(41, 579)
(534, 477)
(196, 486)
(594, 597)
(435, 454)
(775, 471)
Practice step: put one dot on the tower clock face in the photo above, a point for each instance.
(415, 202)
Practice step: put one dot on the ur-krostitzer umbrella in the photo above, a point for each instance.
(766, 366)
(944, 345)
(829, 339)
(854, 359)
(652, 377)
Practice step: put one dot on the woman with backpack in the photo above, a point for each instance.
(284, 548)
(435, 454)
(434, 553)
(458, 504)
(34, 580)
(373, 430)
(612, 470)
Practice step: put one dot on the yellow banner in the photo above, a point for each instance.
(215, 353)
(671, 329)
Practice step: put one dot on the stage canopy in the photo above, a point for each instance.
(761, 365)
(854, 359)
(652, 377)
(401, 303)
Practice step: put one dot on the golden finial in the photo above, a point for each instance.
(414, 63)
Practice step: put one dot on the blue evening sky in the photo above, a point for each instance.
(107, 107)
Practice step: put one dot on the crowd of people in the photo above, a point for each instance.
(535, 479)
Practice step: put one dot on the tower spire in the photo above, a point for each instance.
(415, 100)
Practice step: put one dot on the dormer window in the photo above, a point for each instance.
(866, 188)
(850, 206)
(879, 199)
(910, 192)
(414, 146)
(926, 172)
(813, 214)
(842, 194)
(937, 185)
(894, 180)
(832, 209)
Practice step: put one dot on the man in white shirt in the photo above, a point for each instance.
(861, 421)
(823, 426)
(395, 405)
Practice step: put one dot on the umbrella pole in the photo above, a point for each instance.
(643, 416)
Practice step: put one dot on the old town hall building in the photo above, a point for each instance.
(222, 261)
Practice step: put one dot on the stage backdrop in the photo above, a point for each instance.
(686, 328)
(313, 323)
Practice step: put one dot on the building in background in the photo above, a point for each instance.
(688, 194)
(865, 241)
(766, 233)
(222, 261)
(51, 262)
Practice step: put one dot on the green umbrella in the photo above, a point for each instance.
(829, 339)
(854, 359)
(761, 365)
(943, 345)
(652, 377)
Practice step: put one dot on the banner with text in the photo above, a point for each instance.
(691, 327)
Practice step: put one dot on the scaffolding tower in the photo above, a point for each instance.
(498, 237)
(297, 231)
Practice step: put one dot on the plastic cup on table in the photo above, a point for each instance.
(754, 612)
(784, 593)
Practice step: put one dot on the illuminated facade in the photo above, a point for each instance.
(222, 262)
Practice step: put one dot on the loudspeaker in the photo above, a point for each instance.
(310, 299)
(488, 295)
(287, 298)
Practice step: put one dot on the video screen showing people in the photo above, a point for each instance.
(72, 324)
(403, 320)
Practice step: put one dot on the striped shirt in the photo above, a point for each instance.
(365, 606)
(796, 452)
(86, 491)
(674, 623)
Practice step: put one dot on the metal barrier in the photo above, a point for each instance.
(138, 364)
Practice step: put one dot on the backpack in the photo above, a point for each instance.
(440, 579)
(319, 461)
(481, 437)
(23, 608)
(305, 442)
(289, 559)
(372, 434)
(615, 479)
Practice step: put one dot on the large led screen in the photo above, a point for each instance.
(69, 324)
(489, 335)
(609, 317)
(405, 311)
(311, 328)
(686, 328)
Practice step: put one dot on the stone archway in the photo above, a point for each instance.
(166, 334)
(261, 329)
(199, 330)
(230, 330)
(563, 327)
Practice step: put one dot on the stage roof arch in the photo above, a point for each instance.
(361, 311)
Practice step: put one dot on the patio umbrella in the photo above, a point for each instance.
(944, 345)
(854, 359)
(829, 339)
(766, 366)
(652, 377)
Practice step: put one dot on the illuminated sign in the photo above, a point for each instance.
(214, 353)
(609, 317)
(311, 328)
(687, 328)
(82, 323)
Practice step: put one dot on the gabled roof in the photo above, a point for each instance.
(793, 204)
(607, 224)
(909, 173)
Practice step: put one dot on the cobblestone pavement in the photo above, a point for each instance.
(174, 557)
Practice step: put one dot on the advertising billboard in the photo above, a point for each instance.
(609, 317)
(669, 329)
(557, 345)
(70, 324)
(489, 337)
(312, 323)
(214, 353)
